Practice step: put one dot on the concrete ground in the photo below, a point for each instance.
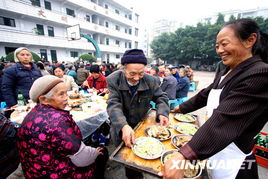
(116, 171)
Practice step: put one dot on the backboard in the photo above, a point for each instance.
(73, 32)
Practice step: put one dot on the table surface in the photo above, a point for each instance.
(125, 156)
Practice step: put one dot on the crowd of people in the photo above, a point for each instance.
(50, 143)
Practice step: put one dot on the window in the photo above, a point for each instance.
(129, 45)
(117, 56)
(107, 41)
(36, 3)
(136, 18)
(136, 32)
(106, 6)
(107, 24)
(88, 18)
(126, 30)
(74, 54)
(48, 5)
(70, 12)
(136, 44)
(117, 11)
(130, 16)
(43, 54)
(125, 15)
(108, 58)
(40, 29)
(117, 42)
(125, 44)
(7, 21)
(10, 49)
(53, 55)
(117, 27)
(50, 31)
(130, 31)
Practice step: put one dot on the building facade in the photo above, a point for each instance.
(263, 12)
(40, 25)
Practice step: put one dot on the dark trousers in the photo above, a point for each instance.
(133, 174)
(249, 170)
(101, 162)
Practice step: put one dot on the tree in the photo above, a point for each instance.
(10, 57)
(88, 57)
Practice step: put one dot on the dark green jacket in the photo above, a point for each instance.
(123, 108)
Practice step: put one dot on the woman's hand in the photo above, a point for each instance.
(177, 109)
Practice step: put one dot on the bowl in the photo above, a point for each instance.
(179, 144)
(192, 172)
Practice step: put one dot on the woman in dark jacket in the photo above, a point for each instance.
(19, 77)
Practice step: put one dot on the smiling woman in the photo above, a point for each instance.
(237, 103)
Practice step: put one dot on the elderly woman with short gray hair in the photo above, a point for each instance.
(19, 77)
(49, 141)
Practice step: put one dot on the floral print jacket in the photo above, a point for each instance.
(46, 138)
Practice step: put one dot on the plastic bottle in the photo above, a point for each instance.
(20, 99)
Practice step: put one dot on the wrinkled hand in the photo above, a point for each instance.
(163, 120)
(177, 109)
(128, 135)
(169, 170)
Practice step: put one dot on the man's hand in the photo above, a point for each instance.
(173, 169)
(128, 135)
(176, 109)
(163, 120)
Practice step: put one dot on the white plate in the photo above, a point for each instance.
(147, 132)
(148, 148)
(185, 117)
(182, 128)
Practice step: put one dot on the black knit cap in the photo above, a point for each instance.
(134, 56)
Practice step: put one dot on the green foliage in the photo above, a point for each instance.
(191, 43)
(2, 59)
(88, 57)
(10, 57)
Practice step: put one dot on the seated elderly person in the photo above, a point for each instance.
(68, 80)
(183, 84)
(169, 85)
(49, 141)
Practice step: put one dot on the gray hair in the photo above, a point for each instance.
(18, 50)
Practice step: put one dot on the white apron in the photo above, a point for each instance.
(226, 163)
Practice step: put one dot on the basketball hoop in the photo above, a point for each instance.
(73, 32)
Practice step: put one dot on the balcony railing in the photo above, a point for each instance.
(8, 35)
(61, 18)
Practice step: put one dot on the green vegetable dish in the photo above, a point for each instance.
(186, 128)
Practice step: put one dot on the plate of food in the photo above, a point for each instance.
(74, 96)
(148, 148)
(191, 171)
(185, 117)
(180, 140)
(186, 128)
(159, 132)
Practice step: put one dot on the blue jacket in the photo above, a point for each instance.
(183, 87)
(177, 76)
(18, 77)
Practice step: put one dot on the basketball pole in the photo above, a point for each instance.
(96, 46)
